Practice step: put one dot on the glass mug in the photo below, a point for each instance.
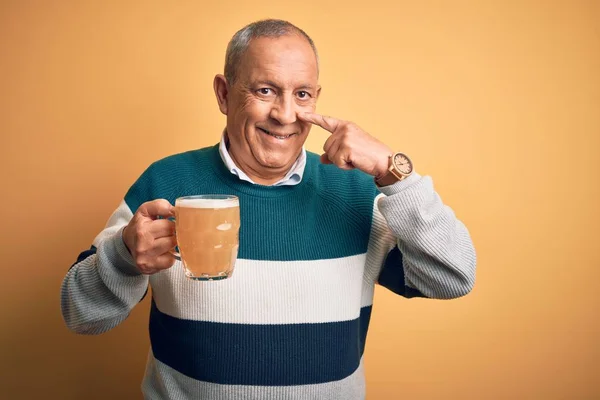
(207, 230)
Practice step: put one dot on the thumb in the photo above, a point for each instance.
(325, 159)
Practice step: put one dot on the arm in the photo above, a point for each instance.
(434, 256)
(104, 285)
(100, 290)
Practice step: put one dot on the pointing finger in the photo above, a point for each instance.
(328, 123)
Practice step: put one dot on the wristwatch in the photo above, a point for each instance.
(400, 167)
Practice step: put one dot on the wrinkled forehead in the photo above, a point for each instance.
(288, 60)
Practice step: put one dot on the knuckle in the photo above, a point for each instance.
(138, 230)
(339, 162)
(165, 262)
(143, 267)
(161, 202)
(344, 150)
(141, 247)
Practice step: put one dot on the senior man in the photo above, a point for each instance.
(317, 233)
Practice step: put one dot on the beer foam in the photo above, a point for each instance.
(208, 203)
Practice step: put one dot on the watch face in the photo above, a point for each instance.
(403, 164)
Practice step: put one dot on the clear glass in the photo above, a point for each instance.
(207, 230)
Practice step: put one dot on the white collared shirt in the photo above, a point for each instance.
(293, 176)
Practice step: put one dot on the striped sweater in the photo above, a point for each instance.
(292, 321)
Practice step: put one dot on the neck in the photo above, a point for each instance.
(223, 173)
(265, 178)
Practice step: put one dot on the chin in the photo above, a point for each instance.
(275, 164)
(277, 161)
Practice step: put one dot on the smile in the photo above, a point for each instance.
(280, 137)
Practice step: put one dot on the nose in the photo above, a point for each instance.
(284, 110)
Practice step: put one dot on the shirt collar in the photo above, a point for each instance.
(293, 176)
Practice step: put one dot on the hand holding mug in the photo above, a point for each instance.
(149, 239)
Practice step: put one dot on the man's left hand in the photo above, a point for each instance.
(350, 147)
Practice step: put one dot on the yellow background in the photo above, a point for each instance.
(499, 101)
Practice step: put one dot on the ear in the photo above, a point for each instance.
(318, 91)
(221, 91)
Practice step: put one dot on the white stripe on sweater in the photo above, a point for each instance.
(119, 218)
(272, 292)
(275, 292)
(381, 241)
(268, 292)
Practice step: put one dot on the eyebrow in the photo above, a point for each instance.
(271, 83)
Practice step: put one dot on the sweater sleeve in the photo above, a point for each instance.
(434, 254)
(103, 286)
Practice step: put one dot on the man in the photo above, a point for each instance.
(316, 234)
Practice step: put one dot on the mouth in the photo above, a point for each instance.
(277, 135)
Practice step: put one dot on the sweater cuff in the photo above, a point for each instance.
(400, 185)
(118, 273)
(119, 256)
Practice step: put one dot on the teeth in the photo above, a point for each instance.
(275, 136)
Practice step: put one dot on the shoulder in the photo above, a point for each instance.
(181, 161)
(352, 191)
(165, 177)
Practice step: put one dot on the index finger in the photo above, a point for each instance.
(157, 208)
(328, 123)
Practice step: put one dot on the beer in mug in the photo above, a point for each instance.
(207, 228)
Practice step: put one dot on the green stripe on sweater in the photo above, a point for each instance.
(333, 204)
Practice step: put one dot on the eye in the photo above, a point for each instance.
(265, 91)
(303, 94)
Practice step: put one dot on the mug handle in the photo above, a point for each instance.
(176, 255)
(174, 251)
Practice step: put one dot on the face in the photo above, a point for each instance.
(403, 163)
(277, 79)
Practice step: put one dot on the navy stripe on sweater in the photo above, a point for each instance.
(392, 275)
(263, 355)
(85, 254)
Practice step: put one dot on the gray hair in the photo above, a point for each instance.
(272, 28)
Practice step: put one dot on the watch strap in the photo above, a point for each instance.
(387, 179)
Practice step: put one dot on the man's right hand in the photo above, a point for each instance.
(149, 239)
